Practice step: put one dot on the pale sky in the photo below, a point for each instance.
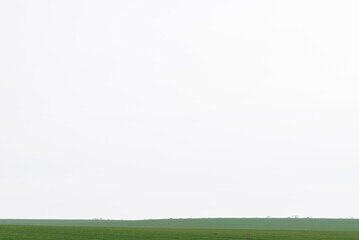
(139, 109)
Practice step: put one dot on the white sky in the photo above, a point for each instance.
(155, 109)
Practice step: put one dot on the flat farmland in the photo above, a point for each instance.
(22, 232)
(306, 224)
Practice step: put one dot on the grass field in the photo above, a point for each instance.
(181, 229)
(10, 232)
(210, 223)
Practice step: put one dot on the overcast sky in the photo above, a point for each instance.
(190, 108)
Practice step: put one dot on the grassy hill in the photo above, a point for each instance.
(210, 223)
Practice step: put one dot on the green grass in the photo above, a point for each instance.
(182, 229)
(11, 232)
(210, 223)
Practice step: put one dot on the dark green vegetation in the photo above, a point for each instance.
(10, 232)
(181, 229)
(211, 223)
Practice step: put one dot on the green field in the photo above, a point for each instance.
(209, 223)
(10, 232)
(181, 229)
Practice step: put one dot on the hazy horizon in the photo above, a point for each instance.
(181, 218)
(171, 109)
